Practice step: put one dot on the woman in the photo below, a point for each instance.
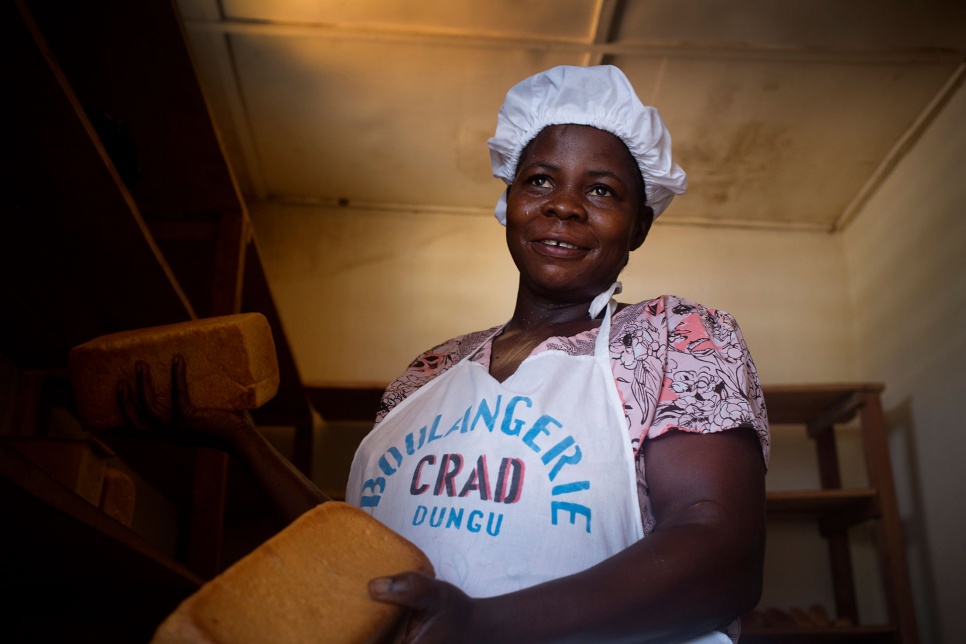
(511, 459)
(589, 471)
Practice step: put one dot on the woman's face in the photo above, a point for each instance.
(574, 212)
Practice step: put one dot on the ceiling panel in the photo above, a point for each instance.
(780, 142)
(784, 114)
(401, 123)
(855, 25)
(548, 18)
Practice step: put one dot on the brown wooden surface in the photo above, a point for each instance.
(71, 572)
(228, 279)
(76, 259)
(130, 60)
(892, 551)
(48, 511)
(85, 254)
(802, 404)
(346, 401)
(815, 503)
(819, 410)
(79, 258)
(843, 576)
(204, 554)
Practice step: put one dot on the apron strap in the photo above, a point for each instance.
(604, 302)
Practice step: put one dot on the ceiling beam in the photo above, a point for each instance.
(484, 40)
(231, 88)
(606, 18)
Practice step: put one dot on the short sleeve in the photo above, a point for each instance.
(710, 383)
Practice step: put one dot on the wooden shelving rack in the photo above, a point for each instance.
(99, 240)
(818, 409)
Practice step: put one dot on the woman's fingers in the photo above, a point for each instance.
(180, 421)
(410, 589)
(180, 401)
(440, 612)
(151, 412)
(129, 411)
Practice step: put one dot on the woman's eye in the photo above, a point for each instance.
(601, 191)
(539, 181)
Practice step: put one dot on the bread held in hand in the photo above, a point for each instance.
(308, 583)
(231, 365)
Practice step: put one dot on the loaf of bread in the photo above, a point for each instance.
(230, 364)
(308, 583)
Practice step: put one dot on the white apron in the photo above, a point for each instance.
(506, 485)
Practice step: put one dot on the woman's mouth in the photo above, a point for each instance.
(554, 242)
(559, 249)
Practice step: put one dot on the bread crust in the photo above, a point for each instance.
(308, 583)
(230, 364)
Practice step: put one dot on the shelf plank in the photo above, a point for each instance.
(801, 404)
(835, 510)
(354, 402)
(819, 501)
(46, 511)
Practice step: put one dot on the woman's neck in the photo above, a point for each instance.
(533, 312)
(533, 322)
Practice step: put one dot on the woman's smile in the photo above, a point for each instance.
(552, 242)
(559, 248)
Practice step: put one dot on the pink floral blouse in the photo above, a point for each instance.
(677, 365)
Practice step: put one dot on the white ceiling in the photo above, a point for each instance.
(785, 114)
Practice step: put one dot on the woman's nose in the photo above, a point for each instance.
(566, 203)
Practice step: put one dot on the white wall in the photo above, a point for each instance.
(906, 254)
(361, 294)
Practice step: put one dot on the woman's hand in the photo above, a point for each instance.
(182, 422)
(290, 490)
(440, 612)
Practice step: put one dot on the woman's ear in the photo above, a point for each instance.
(643, 227)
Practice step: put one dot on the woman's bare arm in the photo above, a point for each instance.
(290, 491)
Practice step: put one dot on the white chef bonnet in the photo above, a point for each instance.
(601, 97)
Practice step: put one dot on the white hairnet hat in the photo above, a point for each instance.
(601, 97)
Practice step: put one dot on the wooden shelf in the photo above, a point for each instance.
(838, 507)
(91, 248)
(47, 511)
(72, 573)
(819, 409)
(815, 404)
